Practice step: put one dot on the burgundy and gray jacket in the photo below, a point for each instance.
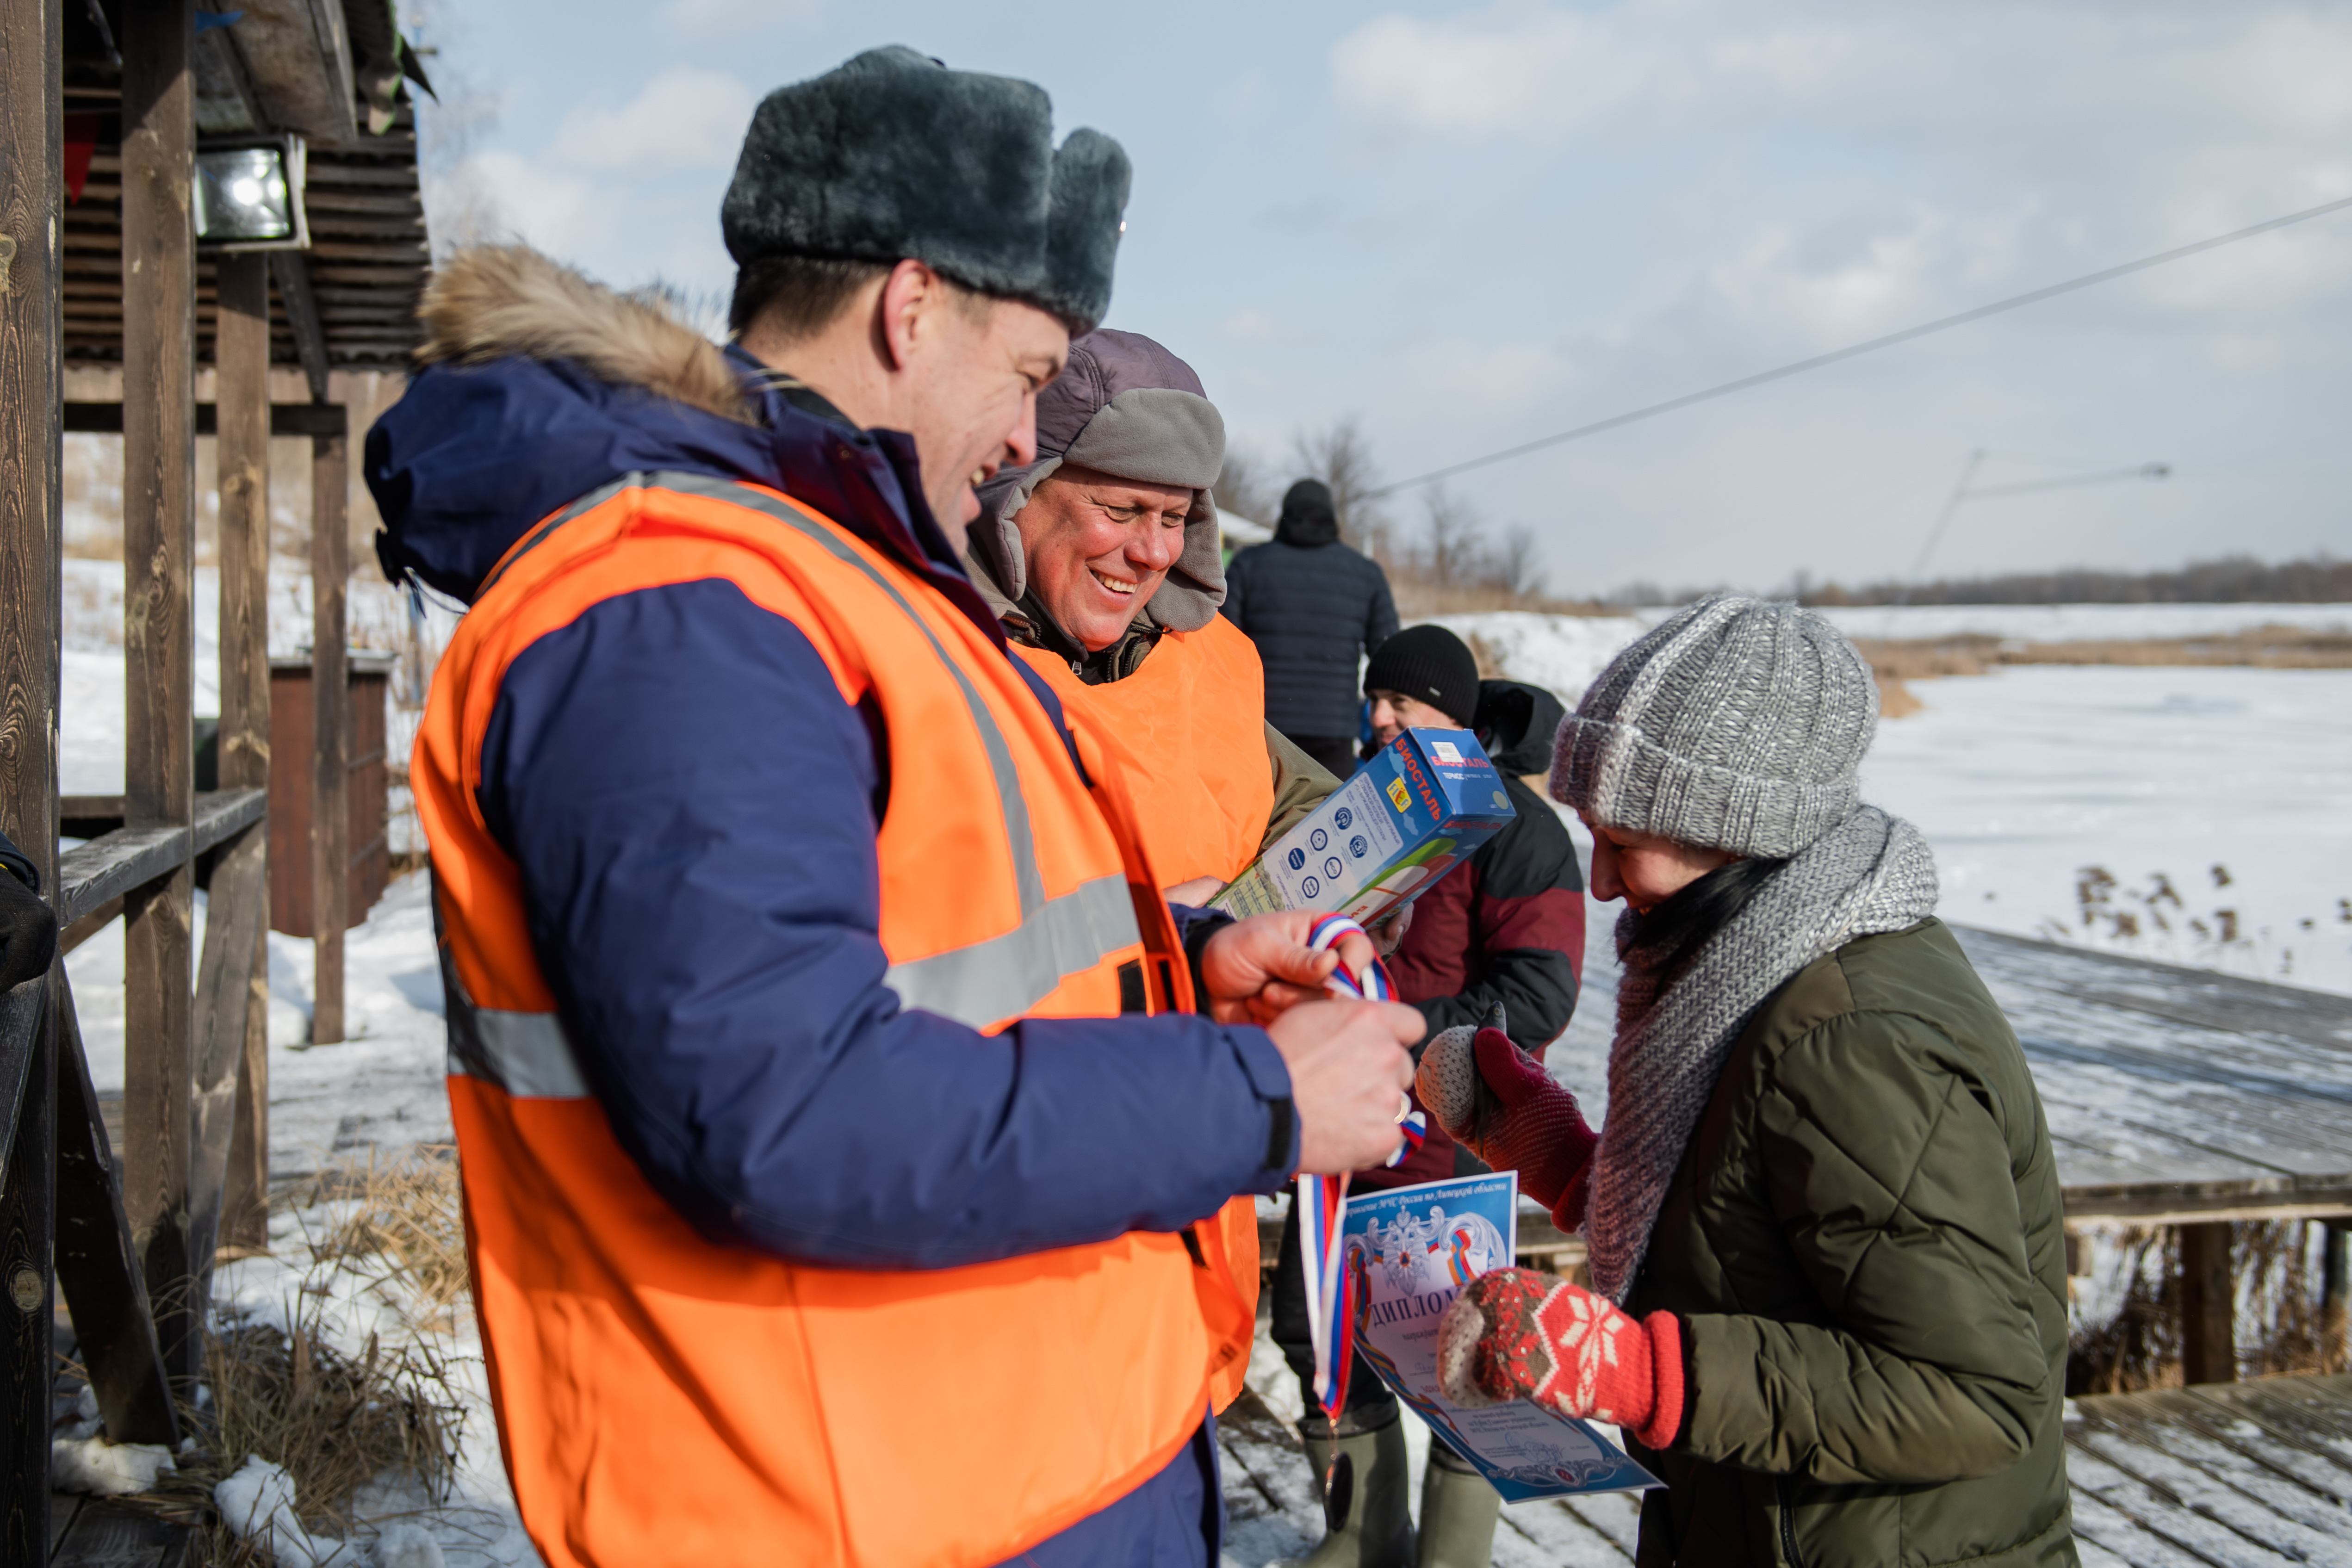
(1508, 926)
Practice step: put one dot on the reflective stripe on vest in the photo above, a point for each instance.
(526, 1054)
(976, 986)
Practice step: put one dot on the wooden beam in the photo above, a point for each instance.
(31, 379)
(293, 274)
(284, 418)
(98, 1267)
(241, 398)
(233, 936)
(32, 158)
(159, 550)
(123, 860)
(330, 872)
(241, 1217)
(2209, 1351)
(2334, 1294)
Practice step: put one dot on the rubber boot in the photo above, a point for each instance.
(1365, 1512)
(1458, 1510)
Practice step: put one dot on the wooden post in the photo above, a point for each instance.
(31, 379)
(159, 307)
(2335, 1265)
(2209, 1351)
(241, 352)
(331, 870)
(32, 160)
(27, 1219)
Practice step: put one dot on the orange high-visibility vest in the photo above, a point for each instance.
(663, 1399)
(1190, 724)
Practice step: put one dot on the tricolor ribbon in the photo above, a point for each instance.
(1331, 1284)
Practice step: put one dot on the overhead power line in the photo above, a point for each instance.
(1963, 491)
(1889, 340)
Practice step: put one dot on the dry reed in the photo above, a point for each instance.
(2264, 647)
(2139, 1346)
(400, 1226)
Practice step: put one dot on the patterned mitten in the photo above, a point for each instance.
(1528, 1124)
(1515, 1333)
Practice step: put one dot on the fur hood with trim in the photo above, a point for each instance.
(541, 386)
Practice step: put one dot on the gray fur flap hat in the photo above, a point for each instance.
(894, 155)
(1738, 724)
(1127, 407)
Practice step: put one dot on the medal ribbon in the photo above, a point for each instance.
(1331, 1285)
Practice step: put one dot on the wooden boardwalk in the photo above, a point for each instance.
(2179, 1094)
(2248, 1475)
(2243, 1475)
(90, 1533)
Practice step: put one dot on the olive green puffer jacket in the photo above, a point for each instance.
(1863, 1244)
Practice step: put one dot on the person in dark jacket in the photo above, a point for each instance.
(1507, 929)
(1828, 1291)
(28, 928)
(1313, 607)
(1504, 932)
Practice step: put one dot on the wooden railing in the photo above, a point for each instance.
(129, 1233)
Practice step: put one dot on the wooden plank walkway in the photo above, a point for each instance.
(90, 1533)
(2241, 1475)
(2246, 1474)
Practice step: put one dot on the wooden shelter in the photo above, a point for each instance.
(110, 112)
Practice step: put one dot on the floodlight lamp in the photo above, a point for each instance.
(249, 196)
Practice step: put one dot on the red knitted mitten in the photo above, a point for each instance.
(1536, 1129)
(1515, 1333)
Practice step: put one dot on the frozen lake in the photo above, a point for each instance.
(2230, 788)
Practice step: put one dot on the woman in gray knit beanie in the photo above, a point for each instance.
(1828, 1296)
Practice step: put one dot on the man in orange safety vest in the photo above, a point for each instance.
(839, 1128)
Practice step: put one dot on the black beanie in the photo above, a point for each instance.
(1430, 664)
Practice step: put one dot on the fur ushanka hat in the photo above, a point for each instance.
(893, 155)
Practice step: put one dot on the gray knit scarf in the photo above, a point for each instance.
(1870, 873)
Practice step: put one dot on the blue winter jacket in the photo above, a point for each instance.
(693, 809)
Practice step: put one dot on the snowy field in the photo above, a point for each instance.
(2031, 779)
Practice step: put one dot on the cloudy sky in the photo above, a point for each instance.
(1468, 225)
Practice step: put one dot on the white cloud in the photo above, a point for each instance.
(685, 118)
(498, 196)
(722, 18)
(1250, 325)
(1526, 69)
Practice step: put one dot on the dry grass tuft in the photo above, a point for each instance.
(401, 1227)
(339, 1424)
(1894, 698)
(2265, 647)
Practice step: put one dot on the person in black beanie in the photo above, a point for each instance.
(1312, 606)
(1503, 932)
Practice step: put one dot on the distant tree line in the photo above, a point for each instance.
(2228, 579)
